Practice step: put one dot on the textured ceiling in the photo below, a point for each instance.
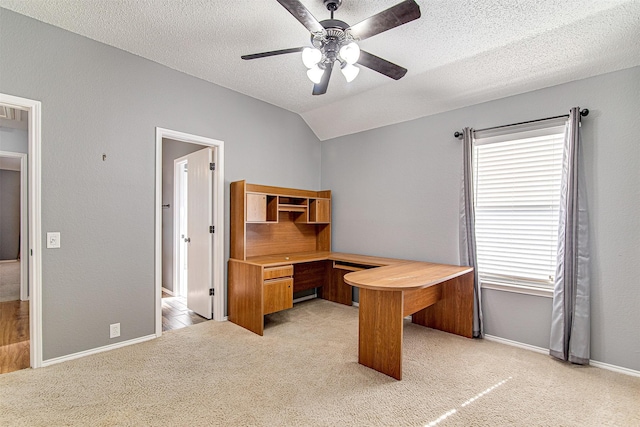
(459, 53)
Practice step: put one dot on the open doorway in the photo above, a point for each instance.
(191, 199)
(14, 293)
(20, 327)
(180, 307)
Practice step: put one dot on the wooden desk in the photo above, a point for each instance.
(281, 244)
(438, 296)
(265, 284)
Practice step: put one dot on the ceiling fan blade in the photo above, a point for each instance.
(380, 65)
(303, 15)
(272, 53)
(403, 12)
(321, 88)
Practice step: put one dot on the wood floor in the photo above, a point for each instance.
(14, 328)
(14, 336)
(176, 315)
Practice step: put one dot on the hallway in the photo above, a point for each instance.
(176, 315)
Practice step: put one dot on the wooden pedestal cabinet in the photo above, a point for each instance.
(269, 224)
(278, 288)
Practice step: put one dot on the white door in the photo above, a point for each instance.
(199, 237)
(181, 210)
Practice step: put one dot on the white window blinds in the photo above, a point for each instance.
(517, 190)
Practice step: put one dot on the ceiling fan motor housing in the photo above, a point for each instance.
(332, 39)
(332, 5)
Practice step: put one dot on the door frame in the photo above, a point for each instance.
(34, 127)
(24, 222)
(218, 221)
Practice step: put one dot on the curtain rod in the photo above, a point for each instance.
(584, 113)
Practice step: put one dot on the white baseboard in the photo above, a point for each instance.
(541, 350)
(517, 344)
(305, 298)
(96, 350)
(614, 368)
(168, 291)
(308, 297)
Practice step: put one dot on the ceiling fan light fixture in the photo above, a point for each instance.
(311, 56)
(349, 72)
(334, 41)
(350, 53)
(315, 74)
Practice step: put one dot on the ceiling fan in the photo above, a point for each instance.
(335, 41)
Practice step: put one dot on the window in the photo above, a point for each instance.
(517, 178)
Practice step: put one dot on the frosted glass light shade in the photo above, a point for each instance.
(315, 74)
(311, 57)
(350, 72)
(350, 53)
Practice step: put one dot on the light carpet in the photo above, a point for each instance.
(9, 281)
(304, 372)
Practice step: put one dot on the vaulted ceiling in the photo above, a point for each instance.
(459, 53)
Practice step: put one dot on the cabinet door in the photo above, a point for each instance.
(256, 207)
(323, 210)
(278, 295)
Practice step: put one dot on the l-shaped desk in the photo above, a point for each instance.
(436, 295)
(281, 244)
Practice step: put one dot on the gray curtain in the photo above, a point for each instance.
(467, 234)
(570, 323)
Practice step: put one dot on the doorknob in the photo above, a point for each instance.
(188, 239)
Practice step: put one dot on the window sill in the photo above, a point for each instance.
(519, 289)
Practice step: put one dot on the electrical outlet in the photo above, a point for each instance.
(53, 240)
(114, 330)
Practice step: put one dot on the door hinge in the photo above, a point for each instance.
(212, 229)
(212, 166)
(211, 291)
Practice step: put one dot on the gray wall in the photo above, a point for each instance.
(395, 189)
(171, 150)
(396, 193)
(16, 140)
(9, 214)
(97, 99)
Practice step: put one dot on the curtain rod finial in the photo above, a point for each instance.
(457, 134)
(584, 112)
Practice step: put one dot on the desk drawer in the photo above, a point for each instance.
(275, 272)
(278, 295)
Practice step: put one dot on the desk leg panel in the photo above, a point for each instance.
(336, 289)
(380, 331)
(245, 296)
(454, 311)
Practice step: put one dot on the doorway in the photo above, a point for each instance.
(14, 294)
(22, 315)
(186, 300)
(189, 164)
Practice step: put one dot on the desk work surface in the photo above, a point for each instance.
(301, 257)
(406, 275)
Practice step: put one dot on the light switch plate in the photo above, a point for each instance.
(53, 240)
